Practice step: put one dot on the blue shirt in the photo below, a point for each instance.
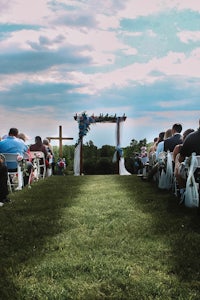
(12, 145)
(160, 148)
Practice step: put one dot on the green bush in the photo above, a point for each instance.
(89, 166)
(105, 166)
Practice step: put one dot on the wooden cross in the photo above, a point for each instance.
(60, 138)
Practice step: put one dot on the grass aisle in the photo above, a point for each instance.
(98, 237)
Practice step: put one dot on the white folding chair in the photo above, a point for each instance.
(15, 175)
(33, 172)
(166, 175)
(38, 158)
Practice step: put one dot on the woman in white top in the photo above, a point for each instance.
(160, 146)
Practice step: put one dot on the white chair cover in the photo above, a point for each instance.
(191, 191)
(166, 177)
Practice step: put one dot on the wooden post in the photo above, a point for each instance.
(81, 156)
(118, 143)
(60, 138)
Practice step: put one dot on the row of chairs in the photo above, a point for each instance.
(16, 176)
(165, 178)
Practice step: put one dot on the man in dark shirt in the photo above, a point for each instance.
(176, 138)
(38, 146)
(191, 144)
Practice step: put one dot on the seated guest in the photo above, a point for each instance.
(160, 147)
(169, 145)
(191, 144)
(143, 155)
(178, 147)
(175, 139)
(160, 138)
(154, 168)
(50, 157)
(22, 137)
(4, 137)
(152, 149)
(49, 149)
(38, 146)
(12, 144)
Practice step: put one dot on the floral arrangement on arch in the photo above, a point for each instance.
(84, 123)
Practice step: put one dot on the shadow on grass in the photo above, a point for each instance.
(33, 216)
(177, 224)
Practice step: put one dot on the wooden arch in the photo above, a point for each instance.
(84, 126)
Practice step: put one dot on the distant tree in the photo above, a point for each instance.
(106, 151)
(90, 150)
(99, 160)
(133, 143)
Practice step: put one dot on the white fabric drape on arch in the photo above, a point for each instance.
(77, 159)
(122, 168)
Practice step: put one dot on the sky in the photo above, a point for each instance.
(134, 57)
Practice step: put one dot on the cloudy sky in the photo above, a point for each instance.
(62, 57)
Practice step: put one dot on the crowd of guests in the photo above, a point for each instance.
(16, 142)
(180, 145)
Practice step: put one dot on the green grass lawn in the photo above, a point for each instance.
(98, 237)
